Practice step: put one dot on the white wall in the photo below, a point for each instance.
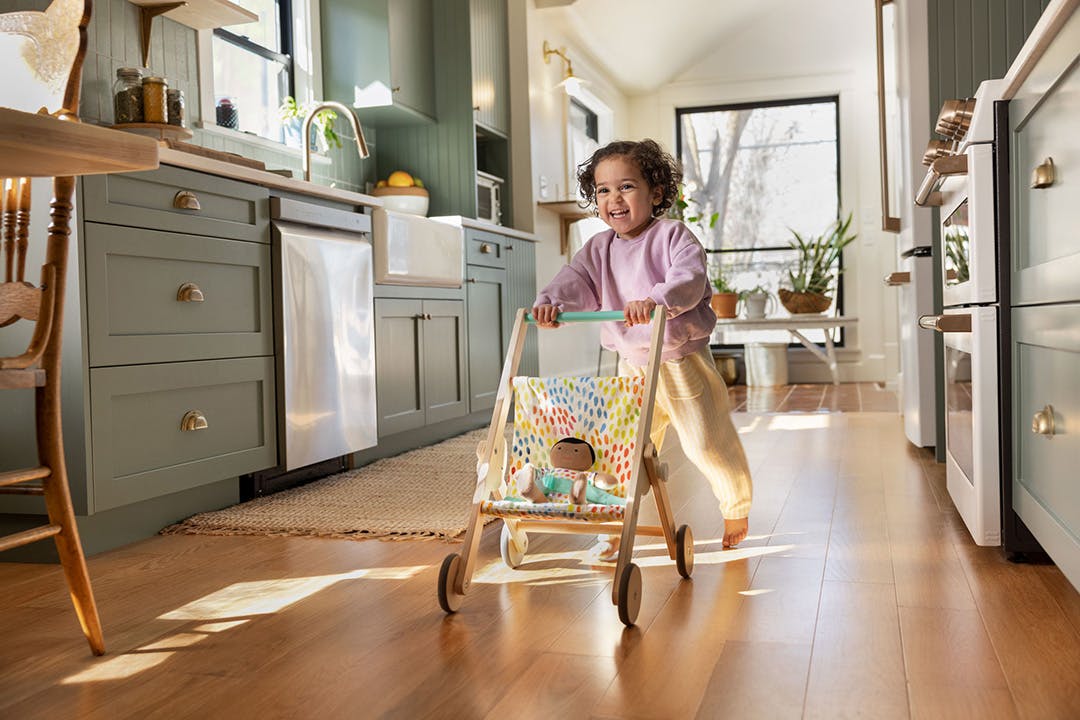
(832, 52)
(569, 350)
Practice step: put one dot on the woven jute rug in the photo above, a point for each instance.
(424, 493)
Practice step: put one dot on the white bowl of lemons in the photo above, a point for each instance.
(402, 193)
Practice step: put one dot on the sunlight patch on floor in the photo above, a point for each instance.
(809, 421)
(262, 597)
(119, 667)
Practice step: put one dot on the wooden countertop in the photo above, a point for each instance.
(33, 145)
(262, 177)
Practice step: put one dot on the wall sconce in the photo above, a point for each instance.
(570, 82)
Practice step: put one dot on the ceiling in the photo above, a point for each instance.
(643, 44)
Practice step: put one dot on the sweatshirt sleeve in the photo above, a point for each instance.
(685, 280)
(573, 288)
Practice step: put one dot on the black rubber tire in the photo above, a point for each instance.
(449, 599)
(684, 551)
(629, 594)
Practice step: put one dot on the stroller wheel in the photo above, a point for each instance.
(684, 551)
(629, 594)
(512, 553)
(449, 598)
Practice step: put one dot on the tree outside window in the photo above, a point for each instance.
(753, 173)
(253, 66)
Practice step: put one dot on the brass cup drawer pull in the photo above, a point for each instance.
(485, 248)
(193, 420)
(946, 323)
(189, 292)
(186, 200)
(1042, 422)
(897, 278)
(1043, 175)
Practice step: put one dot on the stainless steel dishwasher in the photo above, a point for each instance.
(324, 329)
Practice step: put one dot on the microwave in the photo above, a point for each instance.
(489, 198)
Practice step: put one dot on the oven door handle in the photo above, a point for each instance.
(897, 278)
(946, 323)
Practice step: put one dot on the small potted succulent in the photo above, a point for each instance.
(757, 302)
(812, 279)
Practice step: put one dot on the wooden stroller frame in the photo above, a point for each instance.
(455, 575)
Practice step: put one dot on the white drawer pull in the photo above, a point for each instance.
(1042, 422)
(1043, 175)
(186, 200)
(189, 292)
(193, 420)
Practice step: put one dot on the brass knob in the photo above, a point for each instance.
(472, 280)
(189, 292)
(193, 420)
(1042, 422)
(1043, 175)
(485, 248)
(186, 200)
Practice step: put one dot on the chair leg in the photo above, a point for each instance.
(58, 504)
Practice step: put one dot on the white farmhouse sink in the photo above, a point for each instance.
(414, 250)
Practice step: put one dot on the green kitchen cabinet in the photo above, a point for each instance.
(521, 287)
(487, 302)
(378, 57)
(420, 373)
(490, 60)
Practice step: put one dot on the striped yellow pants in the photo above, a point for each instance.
(691, 396)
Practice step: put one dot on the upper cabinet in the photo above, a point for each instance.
(489, 65)
(378, 57)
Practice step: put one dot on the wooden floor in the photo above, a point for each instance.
(858, 594)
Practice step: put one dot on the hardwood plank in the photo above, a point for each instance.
(782, 602)
(948, 647)
(556, 685)
(857, 666)
(757, 679)
(948, 702)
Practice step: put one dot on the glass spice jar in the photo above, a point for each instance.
(174, 99)
(128, 96)
(155, 109)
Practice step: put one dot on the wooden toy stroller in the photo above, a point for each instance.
(614, 415)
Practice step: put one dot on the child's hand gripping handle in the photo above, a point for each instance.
(592, 316)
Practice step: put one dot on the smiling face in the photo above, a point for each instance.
(571, 455)
(623, 199)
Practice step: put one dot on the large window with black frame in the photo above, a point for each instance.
(253, 69)
(753, 174)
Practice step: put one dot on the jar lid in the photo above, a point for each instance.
(152, 79)
(174, 92)
(128, 72)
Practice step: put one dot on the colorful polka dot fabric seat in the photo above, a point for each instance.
(603, 411)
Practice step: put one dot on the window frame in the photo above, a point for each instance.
(302, 44)
(833, 98)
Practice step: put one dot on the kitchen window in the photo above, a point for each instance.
(752, 173)
(256, 65)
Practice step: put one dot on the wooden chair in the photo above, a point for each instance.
(43, 55)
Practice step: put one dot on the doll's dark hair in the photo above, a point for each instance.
(579, 441)
(658, 168)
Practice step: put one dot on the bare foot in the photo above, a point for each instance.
(735, 531)
(606, 547)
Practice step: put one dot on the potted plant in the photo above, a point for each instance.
(812, 279)
(756, 301)
(292, 116)
(725, 298)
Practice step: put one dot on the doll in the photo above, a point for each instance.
(569, 474)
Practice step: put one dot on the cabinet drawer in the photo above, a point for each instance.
(165, 199)
(1046, 492)
(1046, 239)
(140, 450)
(484, 248)
(139, 290)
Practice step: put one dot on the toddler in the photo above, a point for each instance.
(646, 260)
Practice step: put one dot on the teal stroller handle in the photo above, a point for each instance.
(591, 316)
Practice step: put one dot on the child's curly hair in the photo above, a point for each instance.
(657, 167)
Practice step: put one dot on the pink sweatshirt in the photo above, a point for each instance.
(665, 262)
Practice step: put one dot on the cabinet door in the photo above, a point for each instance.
(399, 372)
(412, 75)
(1046, 446)
(487, 302)
(490, 58)
(521, 291)
(444, 360)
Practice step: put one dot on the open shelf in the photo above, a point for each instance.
(197, 14)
